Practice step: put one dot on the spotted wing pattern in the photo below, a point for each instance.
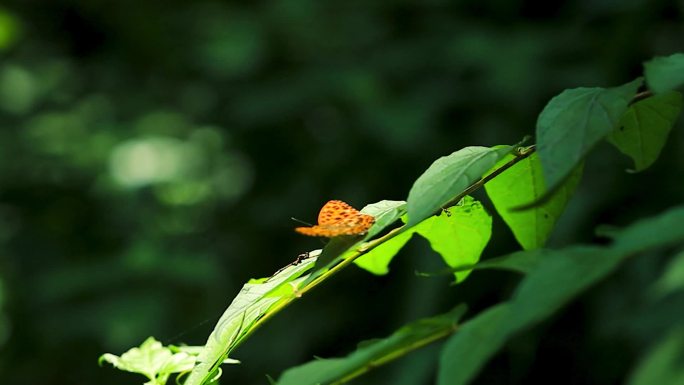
(338, 218)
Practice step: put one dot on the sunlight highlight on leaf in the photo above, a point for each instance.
(524, 183)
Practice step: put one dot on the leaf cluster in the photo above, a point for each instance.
(529, 187)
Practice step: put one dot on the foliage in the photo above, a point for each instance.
(375, 352)
(458, 228)
(157, 362)
(152, 153)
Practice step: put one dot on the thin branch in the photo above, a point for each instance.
(520, 154)
(397, 354)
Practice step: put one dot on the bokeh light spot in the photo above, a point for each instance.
(142, 162)
(18, 90)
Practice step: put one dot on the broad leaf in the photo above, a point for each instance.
(521, 262)
(644, 128)
(524, 183)
(469, 349)
(374, 353)
(459, 236)
(559, 276)
(254, 300)
(385, 213)
(377, 260)
(447, 177)
(661, 231)
(665, 73)
(573, 122)
(152, 360)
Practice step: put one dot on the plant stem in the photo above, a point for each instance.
(520, 154)
(398, 353)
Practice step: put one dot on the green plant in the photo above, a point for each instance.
(529, 187)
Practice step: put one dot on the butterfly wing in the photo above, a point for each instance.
(335, 211)
(338, 218)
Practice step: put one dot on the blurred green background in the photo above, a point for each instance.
(152, 154)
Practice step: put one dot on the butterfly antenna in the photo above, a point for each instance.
(300, 221)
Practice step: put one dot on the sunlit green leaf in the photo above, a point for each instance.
(378, 259)
(665, 73)
(337, 249)
(196, 350)
(253, 301)
(643, 129)
(524, 183)
(573, 122)
(447, 177)
(459, 236)
(152, 360)
(374, 353)
(385, 212)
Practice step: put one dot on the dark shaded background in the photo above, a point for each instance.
(152, 153)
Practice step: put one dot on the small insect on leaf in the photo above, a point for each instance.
(338, 218)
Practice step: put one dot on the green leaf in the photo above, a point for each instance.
(385, 212)
(476, 340)
(459, 237)
(337, 249)
(573, 122)
(374, 353)
(661, 231)
(447, 177)
(672, 279)
(378, 259)
(196, 350)
(665, 73)
(559, 276)
(254, 300)
(152, 360)
(662, 365)
(644, 128)
(520, 262)
(524, 183)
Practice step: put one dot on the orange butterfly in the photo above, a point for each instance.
(338, 218)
